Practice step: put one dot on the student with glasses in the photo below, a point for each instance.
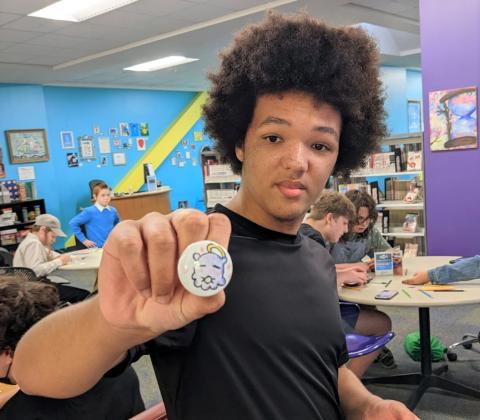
(363, 238)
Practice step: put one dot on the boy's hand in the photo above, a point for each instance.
(89, 244)
(138, 284)
(418, 278)
(388, 410)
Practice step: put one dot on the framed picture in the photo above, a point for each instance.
(67, 139)
(27, 146)
(87, 150)
(119, 159)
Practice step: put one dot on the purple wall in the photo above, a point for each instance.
(450, 42)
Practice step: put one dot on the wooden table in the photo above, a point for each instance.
(82, 269)
(426, 378)
(137, 205)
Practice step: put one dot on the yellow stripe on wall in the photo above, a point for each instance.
(159, 151)
(164, 145)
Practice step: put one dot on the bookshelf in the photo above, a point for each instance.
(16, 219)
(388, 176)
(220, 184)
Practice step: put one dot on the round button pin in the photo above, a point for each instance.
(205, 268)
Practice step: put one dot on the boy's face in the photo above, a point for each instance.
(363, 220)
(47, 237)
(337, 226)
(290, 150)
(103, 197)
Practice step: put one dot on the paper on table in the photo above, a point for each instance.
(436, 287)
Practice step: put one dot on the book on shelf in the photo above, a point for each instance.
(343, 188)
(410, 223)
(414, 161)
(385, 221)
(374, 191)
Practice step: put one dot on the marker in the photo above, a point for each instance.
(388, 283)
(426, 294)
(405, 292)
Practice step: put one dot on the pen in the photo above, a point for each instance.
(405, 292)
(406, 271)
(388, 283)
(426, 294)
(454, 290)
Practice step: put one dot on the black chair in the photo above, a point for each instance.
(22, 273)
(6, 259)
(92, 184)
(466, 342)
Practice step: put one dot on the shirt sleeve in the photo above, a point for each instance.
(465, 269)
(76, 223)
(35, 256)
(116, 219)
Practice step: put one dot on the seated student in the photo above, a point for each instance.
(461, 270)
(326, 223)
(98, 219)
(22, 304)
(363, 238)
(35, 252)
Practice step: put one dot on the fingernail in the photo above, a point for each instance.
(146, 293)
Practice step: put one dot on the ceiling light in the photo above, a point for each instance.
(161, 63)
(78, 11)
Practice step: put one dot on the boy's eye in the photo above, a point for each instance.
(272, 139)
(318, 146)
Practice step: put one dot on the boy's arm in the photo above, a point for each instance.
(139, 298)
(38, 259)
(358, 403)
(465, 269)
(76, 223)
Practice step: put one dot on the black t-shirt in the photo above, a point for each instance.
(307, 230)
(273, 350)
(115, 398)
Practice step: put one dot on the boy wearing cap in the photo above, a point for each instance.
(294, 100)
(35, 252)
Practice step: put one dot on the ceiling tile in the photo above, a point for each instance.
(28, 23)
(56, 40)
(156, 7)
(202, 12)
(23, 7)
(8, 17)
(120, 19)
(10, 35)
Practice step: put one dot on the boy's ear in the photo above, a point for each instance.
(239, 153)
(329, 218)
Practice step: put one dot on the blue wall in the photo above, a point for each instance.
(57, 109)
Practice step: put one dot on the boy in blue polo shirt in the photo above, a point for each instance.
(98, 219)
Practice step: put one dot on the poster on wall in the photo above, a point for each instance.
(124, 129)
(113, 132)
(119, 158)
(87, 150)
(27, 146)
(72, 160)
(104, 145)
(67, 140)
(414, 116)
(134, 129)
(453, 119)
(144, 130)
(26, 173)
(141, 144)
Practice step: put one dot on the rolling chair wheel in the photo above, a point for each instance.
(452, 357)
(466, 346)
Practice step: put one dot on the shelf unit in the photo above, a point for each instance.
(21, 225)
(395, 210)
(219, 182)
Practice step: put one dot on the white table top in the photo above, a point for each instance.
(366, 295)
(85, 259)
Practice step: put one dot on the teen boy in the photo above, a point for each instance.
(293, 101)
(327, 221)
